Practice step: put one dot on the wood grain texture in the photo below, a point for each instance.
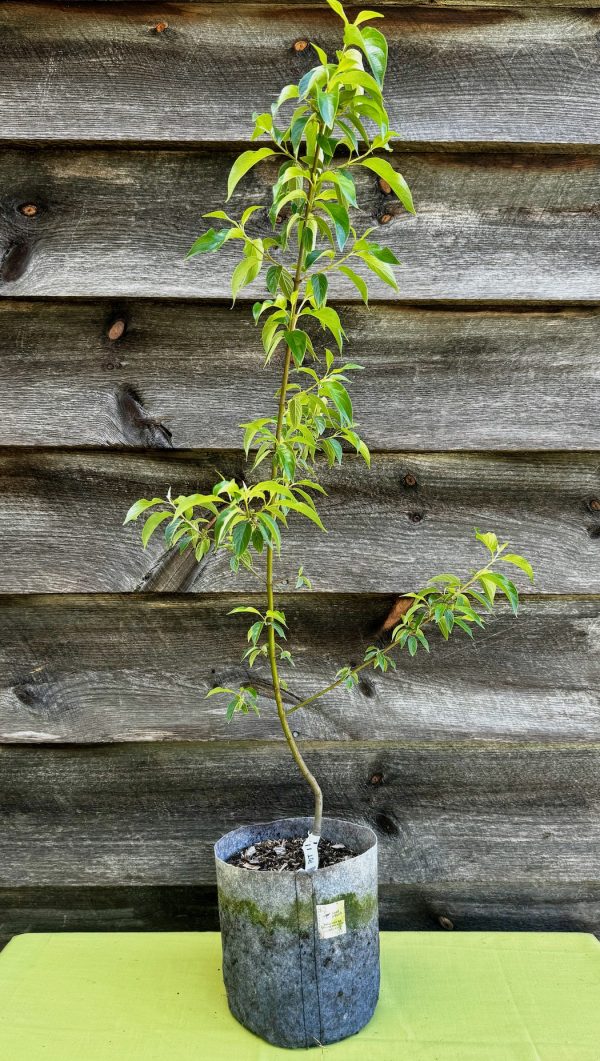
(149, 814)
(384, 534)
(103, 72)
(100, 669)
(115, 223)
(434, 378)
(317, 5)
(138, 908)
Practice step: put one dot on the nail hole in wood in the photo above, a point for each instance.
(409, 480)
(300, 45)
(415, 517)
(28, 209)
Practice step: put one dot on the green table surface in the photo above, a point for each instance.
(473, 996)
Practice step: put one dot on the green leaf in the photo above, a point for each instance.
(341, 221)
(332, 450)
(337, 7)
(210, 241)
(272, 278)
(489, 540)
(141, 506)
(305, 510)
(244, 273)
(246, 609)
(297, 130)
(328, 318)
(297, 341)
(152, 523)
(272, 527)
(287, 93)
(489, 586)
(464, 626)
(358, 282)
(383, 254)
(518, 561)
(346, 184)
(327, 104)
(245, 162)
(395, 180)
(370, 104)
(313, 256)
(319, 287)
(240, 537)
(340, 398)
(218, 689)
(507, 587)
(350, 135)
(376, 49)
(383, 271)
(363, 16)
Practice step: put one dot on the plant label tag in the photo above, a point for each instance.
(331, 920)
(311, 852)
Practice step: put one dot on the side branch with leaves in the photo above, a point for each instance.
(336, 121)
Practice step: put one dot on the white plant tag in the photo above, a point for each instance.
(311, 852)
(331, 920)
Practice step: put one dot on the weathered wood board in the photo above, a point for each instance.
(100, 669)
(465, 907)
(97, 72)
(149, 814)
(385, 533)
(477, 765)
(435, 378)
(490, 225)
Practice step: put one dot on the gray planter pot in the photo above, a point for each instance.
(300, 950)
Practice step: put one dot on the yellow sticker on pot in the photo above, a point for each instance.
(331, 919)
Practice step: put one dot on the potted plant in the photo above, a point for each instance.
(298, 897)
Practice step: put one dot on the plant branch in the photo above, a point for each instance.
(271, 644)
(390, 648)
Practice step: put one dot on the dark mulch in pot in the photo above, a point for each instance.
(279, 855)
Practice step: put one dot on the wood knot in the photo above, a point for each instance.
(376, 779)
(385, 219)
(594, 504)
(385, 187)
(160, 27)
(409, 480)
(386, 824)
(300, 45)
(28, 209)
(116, 330)
(15, 262)
(446, 923)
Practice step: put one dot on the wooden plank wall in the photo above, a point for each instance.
(123, 370)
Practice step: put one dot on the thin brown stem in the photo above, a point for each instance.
(271, 644)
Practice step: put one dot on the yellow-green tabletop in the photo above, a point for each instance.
(473, 996)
